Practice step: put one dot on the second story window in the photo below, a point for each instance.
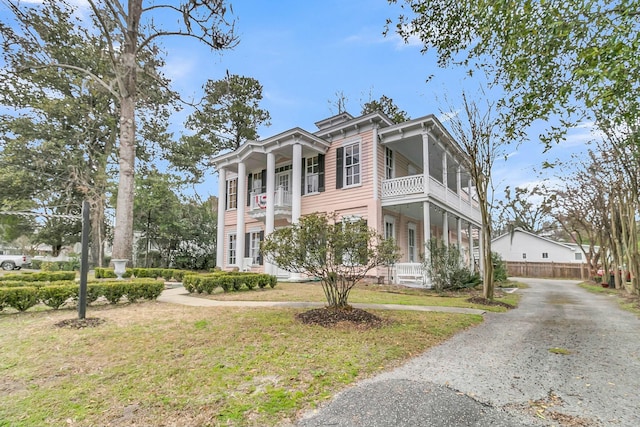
(311, 175)
(348, 172)
(352, 164)
(388, 161)
(232, 194)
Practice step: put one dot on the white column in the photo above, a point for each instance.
(296, 191)
(270, 214)
(242, 206)
(444, 174)
(376, 184)
(470, 231)
(445, 227)
(425, 162)
(459, 233)
(222, 200)
(426, 218)
(459, 185)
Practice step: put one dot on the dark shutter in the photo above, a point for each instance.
(320, 172)
(339, 163)
(263, 189)
(249, 187)
(260, 252)
(247, 244)
(304, 172)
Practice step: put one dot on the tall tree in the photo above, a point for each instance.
(478, 133)
(128, 32)
(228, 116)
(554, 57)
(388, 107)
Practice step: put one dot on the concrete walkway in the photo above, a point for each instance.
(180, 295)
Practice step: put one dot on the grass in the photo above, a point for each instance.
(369, 294)
(153, 363)
(559, 350)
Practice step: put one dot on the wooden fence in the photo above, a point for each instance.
(558, 270)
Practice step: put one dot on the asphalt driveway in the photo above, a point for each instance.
(511, 370)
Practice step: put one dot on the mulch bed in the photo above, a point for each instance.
(485, 301)
(88, 322)
(331, 317)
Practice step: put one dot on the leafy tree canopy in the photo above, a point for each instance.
(388, 107)
(547, 55)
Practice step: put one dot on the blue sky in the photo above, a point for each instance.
(303, 52)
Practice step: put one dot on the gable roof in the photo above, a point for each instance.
(520, 230)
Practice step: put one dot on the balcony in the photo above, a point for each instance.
(282, 202)
(411, 189)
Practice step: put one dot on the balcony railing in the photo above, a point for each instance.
(413, 184)
(282, 199)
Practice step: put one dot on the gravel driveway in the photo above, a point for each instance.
(502, 373)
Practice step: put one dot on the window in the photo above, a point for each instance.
(411, 242)
(312, 170)
(252, 246)
(389, 163)
(524, 256)
(231, 251)
(256, 185)
(545, 255)
(352, 165)
(355, 251)
(389, 227)
(578, 256)
(232, 194)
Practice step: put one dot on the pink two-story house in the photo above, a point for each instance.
(409, 181)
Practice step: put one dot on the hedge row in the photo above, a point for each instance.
(45, 276)
(24, 297)
(153, 273)
(72, 265)
(208, 283)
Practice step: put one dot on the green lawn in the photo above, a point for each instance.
(154, 363)
(370, 294)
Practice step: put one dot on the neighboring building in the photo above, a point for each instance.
(523, 246)
(397, 177)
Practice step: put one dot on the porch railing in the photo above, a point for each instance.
(282, 199)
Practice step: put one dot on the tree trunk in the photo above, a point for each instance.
(123, 233)
(123, 230)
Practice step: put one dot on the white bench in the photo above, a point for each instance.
(410, 272)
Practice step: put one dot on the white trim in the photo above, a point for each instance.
(389, 219)
(228, 245)
(411, 226)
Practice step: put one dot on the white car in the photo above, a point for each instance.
(11, 262)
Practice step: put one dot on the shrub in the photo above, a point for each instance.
(36, 264)
(56, 295)
(43, 276)
(228, 281)
(114, 291)
(167, 274)
(49, 266)
(179, 275)
(445, 267)
(499, 268)
(94, 291)
(21, 298)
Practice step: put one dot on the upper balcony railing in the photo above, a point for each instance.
(413, 185)
(282, 199)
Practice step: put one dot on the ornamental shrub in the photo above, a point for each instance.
(21, 298)
(114, 291)
(56, 295)
(43, 276)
